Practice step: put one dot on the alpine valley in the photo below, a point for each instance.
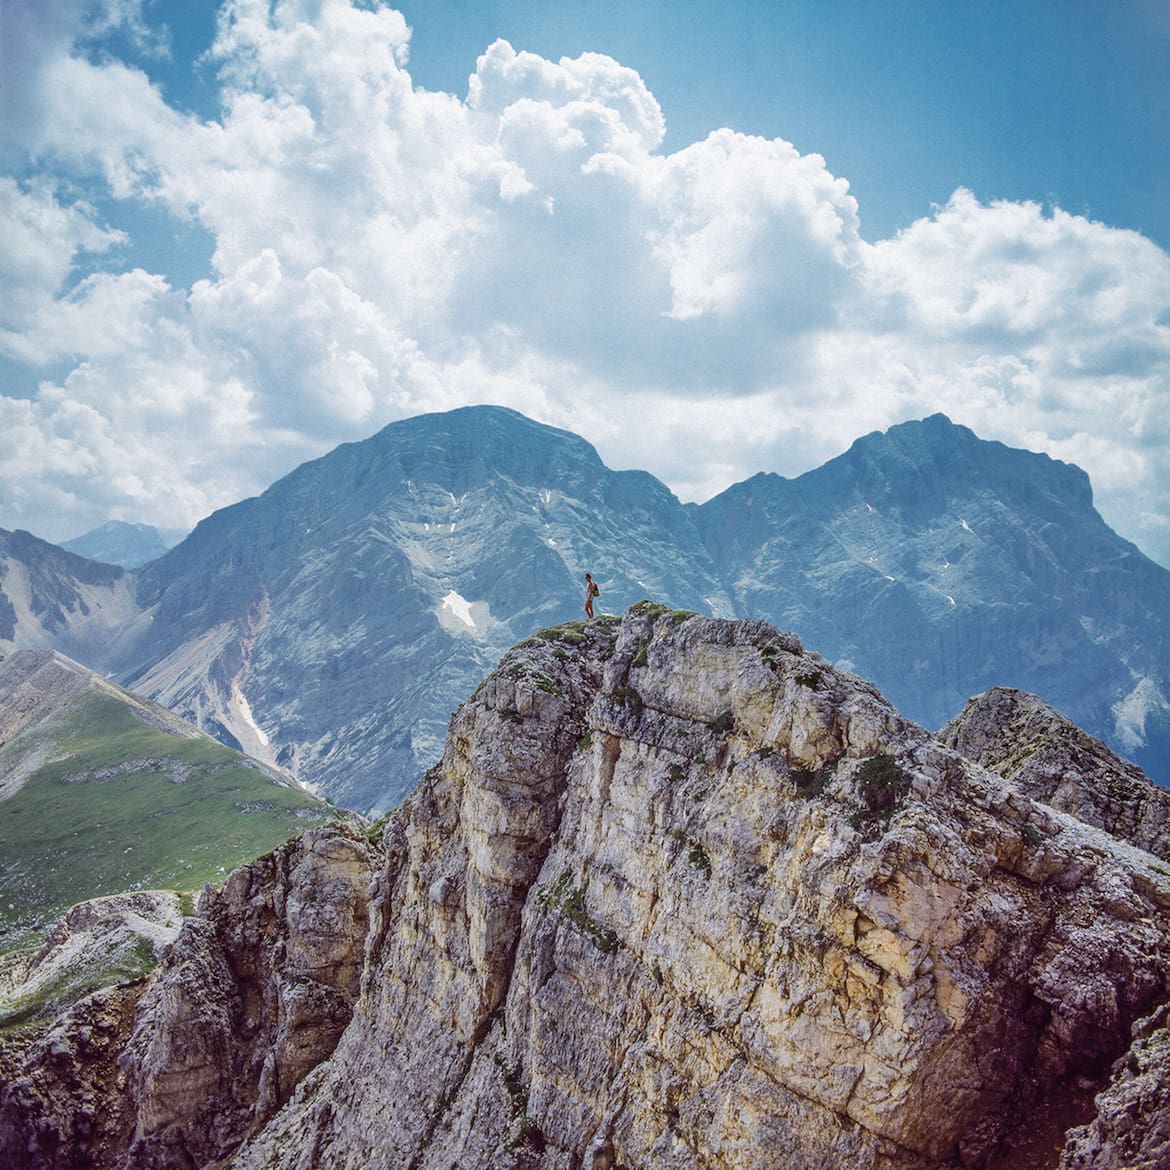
(330, 626)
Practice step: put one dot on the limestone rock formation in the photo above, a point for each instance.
(252, 995)
(772, 924)
(1021, 737)
(679, 895)
(1132, 1126)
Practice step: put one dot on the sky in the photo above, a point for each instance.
(711, 238)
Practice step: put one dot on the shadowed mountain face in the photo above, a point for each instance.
(939, 565)
(119, 543)
(332, 624)
(50, 598)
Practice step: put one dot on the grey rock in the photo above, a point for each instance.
(330, 625)
(1054, 761)
(679, 894)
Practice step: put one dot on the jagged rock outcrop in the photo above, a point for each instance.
(1132, 1126)
(50, 598)
(679, 895)
(1023, 738)
(252, 995)
(62, 1101)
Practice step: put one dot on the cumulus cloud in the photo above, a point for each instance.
(381, 250)
(40, 241)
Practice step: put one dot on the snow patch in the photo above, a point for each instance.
(460, 607)
(457, 615)
(1130, 714)
(966, 526)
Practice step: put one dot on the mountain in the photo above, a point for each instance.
(331, 624)
(102, 792)
(941, 565)
(679, 894)
(53, 599)
(118, 543)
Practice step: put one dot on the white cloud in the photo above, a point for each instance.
(40, 241)
(381, 250)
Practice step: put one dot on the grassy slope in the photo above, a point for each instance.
(67, 835)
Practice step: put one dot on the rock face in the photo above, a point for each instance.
(678, 895)
(1024, 739)
(332, 624)
(251, 995)
(939, 565)
(52, 599)
(1132, 1127)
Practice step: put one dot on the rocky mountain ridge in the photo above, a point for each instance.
(678, 894)
(53, 599)
(331, 624)
(1022, 738)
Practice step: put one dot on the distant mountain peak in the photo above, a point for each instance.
(119, 542)
(331, 624)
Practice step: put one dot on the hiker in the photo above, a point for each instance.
(591, 591)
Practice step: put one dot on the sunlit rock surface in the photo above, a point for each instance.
(679, 894)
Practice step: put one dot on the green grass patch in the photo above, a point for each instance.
(568, 900)
(698, 858)
(722, 723)
(647, 608)
(881, 788)
(629, 696)
(1032, 835)
(571, 632)
(813, 783)
(132, 807)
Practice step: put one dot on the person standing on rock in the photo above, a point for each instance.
(591, 591)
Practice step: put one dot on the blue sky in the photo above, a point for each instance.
(711, 238)
(1063, 101)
